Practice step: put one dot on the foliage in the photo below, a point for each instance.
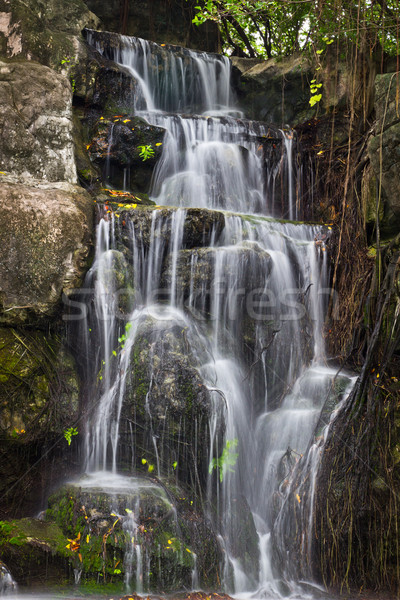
(122, 338)
(267, 28)
(146, 152)
(226, 461)
(67, 62)
(68, 433)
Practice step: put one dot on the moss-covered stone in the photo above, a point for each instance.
(39, 398)
(106, 526)
(36, 551)
(44, 31)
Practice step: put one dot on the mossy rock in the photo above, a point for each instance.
(39, 398)
(108, 523)
(167, 400)
(36, 551)
(44, 31)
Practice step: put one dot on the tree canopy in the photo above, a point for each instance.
(268, 28)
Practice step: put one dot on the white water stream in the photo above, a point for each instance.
(259, 283)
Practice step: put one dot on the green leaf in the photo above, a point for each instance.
(314, 99)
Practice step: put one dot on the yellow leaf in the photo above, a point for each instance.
(101, 118)
(88, 146)
(158, 144)
(298, 498)
(113, 514)
(126, 121)
(144, 461)
(320, 152)
(169, 542)
(80, 557)
(151, 468)
(87, 538)
(187, 550)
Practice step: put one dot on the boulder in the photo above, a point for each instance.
(136, 529)
(36, 122)
(46, 236)
(37, 552)
(167, 400)
(46, 32)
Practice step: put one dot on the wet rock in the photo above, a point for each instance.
(46, 236)
(36, 126)
(201, 226)
(118, 148)
(7, 583)
(39, 399)
(167, 400)
(247, 264)
(36, 551)
(136, 518)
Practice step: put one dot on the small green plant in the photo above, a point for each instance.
(122, 339)
(7, 530)
(146, 152)
(68, 63)
(226, 461)
(68, 433)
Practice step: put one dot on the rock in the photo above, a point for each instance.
(160, 21)
(30, 363)
(7, 583)
(386, 109)
(36, 122)
(46, 236)
(39, 398)
(201, 226)
(276, 90)
(136, 518)
(43, 31)
(116, 148)
(369, 197)
(390, 175)
(247, 262)
(167, 400)
(36, 550)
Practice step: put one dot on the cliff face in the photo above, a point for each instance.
(59, 101)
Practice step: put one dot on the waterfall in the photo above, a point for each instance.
(236, 296)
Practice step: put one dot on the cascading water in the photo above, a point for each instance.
(241, 295)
